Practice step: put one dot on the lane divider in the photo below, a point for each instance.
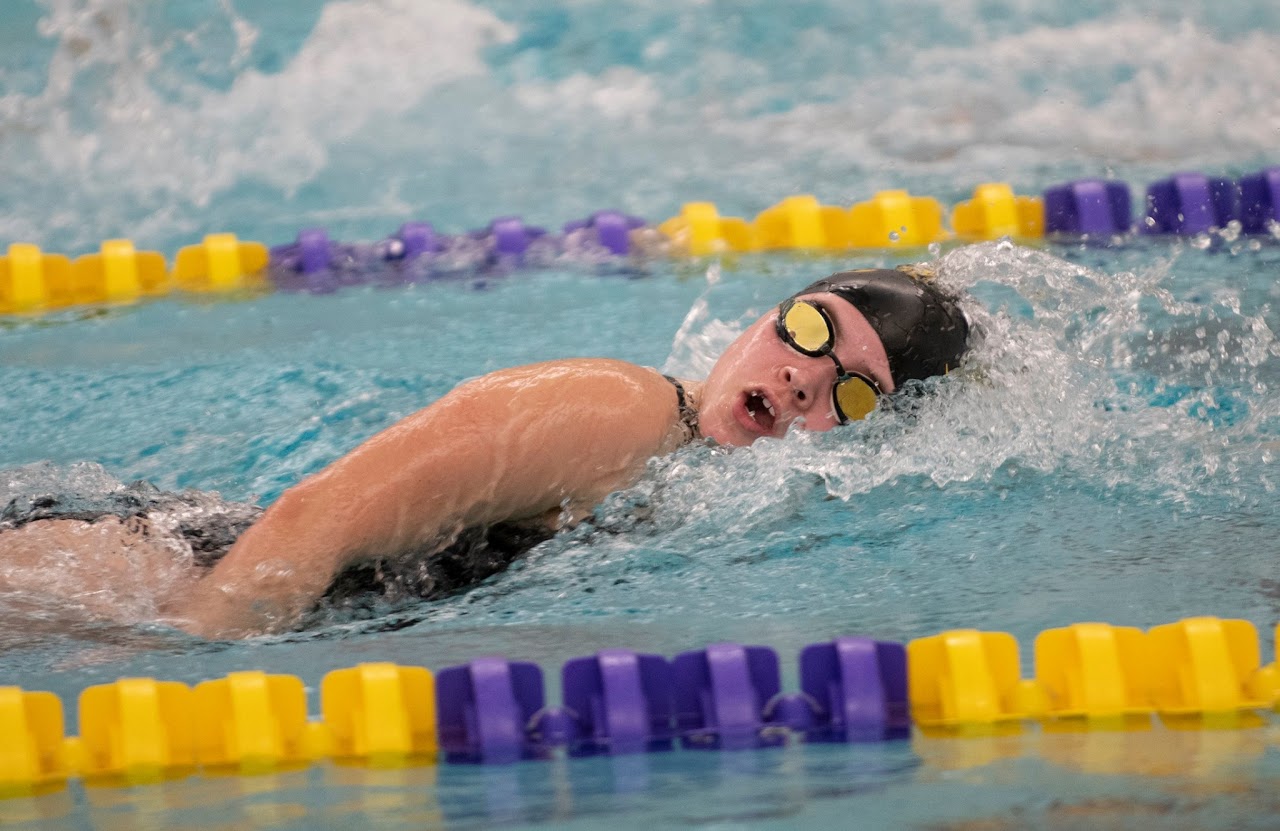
(995, 212)
(221, 262)
(1202, 672)
(1188, 203)
(896, 219)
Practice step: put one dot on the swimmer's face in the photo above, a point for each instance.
(761, 386)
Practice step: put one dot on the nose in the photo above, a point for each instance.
(806, 382)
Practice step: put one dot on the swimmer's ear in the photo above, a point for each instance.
(919, 271)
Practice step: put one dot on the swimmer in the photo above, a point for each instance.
(510, 458)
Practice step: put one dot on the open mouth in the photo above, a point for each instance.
(761, 411)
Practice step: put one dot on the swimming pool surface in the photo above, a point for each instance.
(1108, 455)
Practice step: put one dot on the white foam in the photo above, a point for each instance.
(392, 104)
(1123, 88)
(363, 62)
(618, 94)
(1043, 390)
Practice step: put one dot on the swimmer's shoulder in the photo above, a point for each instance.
(638, 401)
(611, 374)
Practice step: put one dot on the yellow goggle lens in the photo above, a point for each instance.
(855, 398)
(807, 327)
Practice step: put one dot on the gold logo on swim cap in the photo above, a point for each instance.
(919, 271)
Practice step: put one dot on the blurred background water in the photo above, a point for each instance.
(161, 121)
(1107, 454)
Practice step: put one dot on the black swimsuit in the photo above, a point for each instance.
(688, 415)
(205, 521)
(211, 525)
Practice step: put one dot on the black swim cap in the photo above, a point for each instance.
(924, 331)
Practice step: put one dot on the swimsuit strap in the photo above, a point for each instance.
(688, 415)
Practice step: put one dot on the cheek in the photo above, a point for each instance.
(820, 419)
(726, 370)
(749, 358)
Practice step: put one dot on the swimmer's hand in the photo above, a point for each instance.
(540, 441)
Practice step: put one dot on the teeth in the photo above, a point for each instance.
(758, 402)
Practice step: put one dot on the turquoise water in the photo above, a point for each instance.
(1109, 454)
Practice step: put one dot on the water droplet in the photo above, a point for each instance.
(894, 236)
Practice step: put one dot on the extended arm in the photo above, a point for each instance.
(523, 443)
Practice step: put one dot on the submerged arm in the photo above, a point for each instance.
(519, 444)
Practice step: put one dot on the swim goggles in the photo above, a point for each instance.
(806, 328)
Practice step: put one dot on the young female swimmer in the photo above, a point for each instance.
(511, 457)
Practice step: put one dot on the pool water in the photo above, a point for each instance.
(1108, 453)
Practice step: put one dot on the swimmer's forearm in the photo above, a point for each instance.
(269, 578)
(278, 569)
(376, 501)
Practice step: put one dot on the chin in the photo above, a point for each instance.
(723, 433)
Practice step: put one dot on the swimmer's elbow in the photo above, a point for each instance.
(303, 527)
(276, 571)
(256, 589)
